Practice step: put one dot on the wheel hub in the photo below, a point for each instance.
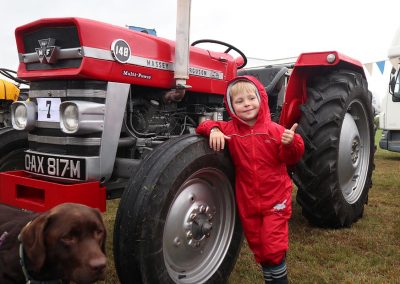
(199, 225)
(355, 149)
(349, 148)
(353, 152)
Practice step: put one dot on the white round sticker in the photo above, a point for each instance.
(120, 50)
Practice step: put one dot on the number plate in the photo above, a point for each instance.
(48, 109)
(68, 168)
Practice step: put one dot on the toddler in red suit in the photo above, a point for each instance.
(260, 150)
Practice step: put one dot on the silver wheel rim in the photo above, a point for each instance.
(354, 147)
(199, 227)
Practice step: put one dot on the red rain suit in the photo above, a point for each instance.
(263, 187)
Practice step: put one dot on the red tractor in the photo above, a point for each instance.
(112, 113)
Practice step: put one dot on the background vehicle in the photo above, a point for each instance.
(116, 114)
(389, 118)
(12, 142)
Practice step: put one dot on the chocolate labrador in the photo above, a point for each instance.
(65, 244)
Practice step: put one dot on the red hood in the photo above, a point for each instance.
(264, 115)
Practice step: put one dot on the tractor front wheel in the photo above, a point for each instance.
(334, 176)
(177, 220)
(13, 143)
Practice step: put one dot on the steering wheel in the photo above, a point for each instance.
(229, 48)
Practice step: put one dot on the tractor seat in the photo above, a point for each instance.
(272, 78)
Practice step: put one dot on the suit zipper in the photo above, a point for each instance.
(254, 168)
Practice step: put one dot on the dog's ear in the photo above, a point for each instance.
(98, 215)
(32, 238)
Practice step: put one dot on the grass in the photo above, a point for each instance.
(368, 252)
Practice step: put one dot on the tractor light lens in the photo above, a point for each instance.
(70, 118)
(20, 116)
(23, 115)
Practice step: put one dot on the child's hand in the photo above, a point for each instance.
(217, 139)
(288, 134)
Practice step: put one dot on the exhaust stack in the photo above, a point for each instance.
(182, 44)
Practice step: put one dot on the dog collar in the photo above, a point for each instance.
(28, 278)
(3, 238)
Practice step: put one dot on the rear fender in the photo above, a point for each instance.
(306, 66)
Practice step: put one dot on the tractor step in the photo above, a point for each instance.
(20, 189)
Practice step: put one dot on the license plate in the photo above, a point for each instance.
(67, 168)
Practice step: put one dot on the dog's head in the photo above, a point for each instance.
(69, 241)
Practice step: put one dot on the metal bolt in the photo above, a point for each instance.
(189, 234)
(191, 198)
(202, 209)
(193, 216)
(177, 242)
(330, 58)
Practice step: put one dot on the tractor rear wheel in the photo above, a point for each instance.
(334, 176)
(177, 220)
(13, 143)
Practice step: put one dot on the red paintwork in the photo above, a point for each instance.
(101, 35)
(19, 189)
(310, 64)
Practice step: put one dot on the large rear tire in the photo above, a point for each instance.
(177, 220)
(13, 143)
(334, 176)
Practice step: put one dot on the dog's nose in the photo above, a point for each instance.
(98, 264)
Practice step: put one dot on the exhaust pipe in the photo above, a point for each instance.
(181, 67)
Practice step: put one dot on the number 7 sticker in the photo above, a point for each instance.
(49, 109)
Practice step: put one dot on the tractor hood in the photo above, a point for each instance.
(75, 48)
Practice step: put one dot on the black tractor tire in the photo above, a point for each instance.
(13, 143)
(334, 176)
(177, 220)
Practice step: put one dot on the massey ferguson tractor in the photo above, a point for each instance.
(112, 113)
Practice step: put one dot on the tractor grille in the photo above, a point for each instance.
(65, 37)
(47, 137)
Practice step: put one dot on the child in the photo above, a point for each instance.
(260, 150)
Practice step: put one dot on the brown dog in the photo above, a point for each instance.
(67, 243)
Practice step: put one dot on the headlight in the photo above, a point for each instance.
(23, 115)
(70, 118)
(79, 117)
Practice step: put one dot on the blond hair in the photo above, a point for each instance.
(242, 87)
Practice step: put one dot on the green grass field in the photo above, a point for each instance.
(368, 252)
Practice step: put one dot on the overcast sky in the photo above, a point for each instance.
(260, 28)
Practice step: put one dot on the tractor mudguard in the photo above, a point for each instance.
(306, 66)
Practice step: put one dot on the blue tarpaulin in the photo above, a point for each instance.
(143, 30)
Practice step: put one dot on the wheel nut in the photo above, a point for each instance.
(177, 242)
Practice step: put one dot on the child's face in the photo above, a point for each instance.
(246, 106)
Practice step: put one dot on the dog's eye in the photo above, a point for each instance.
(68, 240)
(98, 232)
(70, 237)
